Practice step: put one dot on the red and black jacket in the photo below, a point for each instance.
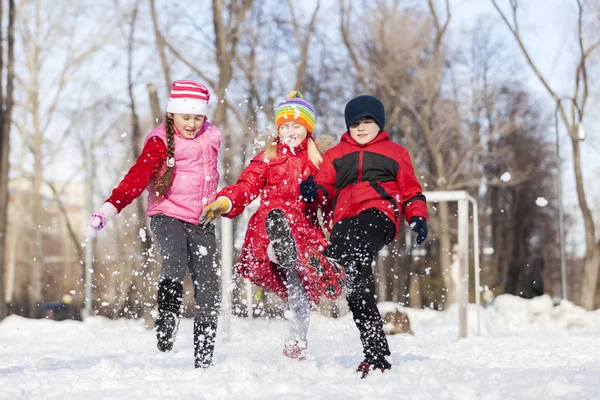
(378, 175)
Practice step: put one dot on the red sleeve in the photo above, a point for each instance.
(411, 193)
(325, 181)
(140, 174)
(252, 180)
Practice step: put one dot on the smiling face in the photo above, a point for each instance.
(364, 130)
(292, 133)
(188, 125)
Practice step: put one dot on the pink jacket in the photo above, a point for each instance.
(195, 175)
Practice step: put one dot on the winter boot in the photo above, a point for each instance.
(331, 278)
(280, 235)
(380, 364)
(204, 343)
(295, 349)
(170, 297)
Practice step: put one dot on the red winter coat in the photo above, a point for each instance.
(277, 182)
(379, 174)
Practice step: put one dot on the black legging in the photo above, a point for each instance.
(354, 243)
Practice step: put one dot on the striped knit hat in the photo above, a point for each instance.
(295, 109)
(188, 97)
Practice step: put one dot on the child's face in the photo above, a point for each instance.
(292, 133)
(188, 125)
(364, 130)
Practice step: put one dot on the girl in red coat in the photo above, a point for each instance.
(284, 241)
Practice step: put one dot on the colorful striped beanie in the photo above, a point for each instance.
(295, 109)
(188, 97)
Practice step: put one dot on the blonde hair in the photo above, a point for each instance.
(314, 154)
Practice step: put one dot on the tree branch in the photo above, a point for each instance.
(344, 21)
(517, 36)
(63, 211)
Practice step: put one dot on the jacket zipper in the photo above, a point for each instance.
(360, 163)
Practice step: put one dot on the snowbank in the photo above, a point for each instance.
(529, 350)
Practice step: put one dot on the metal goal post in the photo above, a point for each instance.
(463, 199)
(462, 290)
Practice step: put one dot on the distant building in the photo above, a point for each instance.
(62, 265)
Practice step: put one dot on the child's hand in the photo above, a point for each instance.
(99, 219)
(309, 188)
(214, 209)
(419, 225)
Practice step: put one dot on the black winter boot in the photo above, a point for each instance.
(204, 343)
(380, 364)
(280, 235)
(170, 297)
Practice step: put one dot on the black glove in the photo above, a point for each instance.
(419, 225)
(309, 188)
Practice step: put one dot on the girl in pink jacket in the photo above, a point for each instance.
(178, 167)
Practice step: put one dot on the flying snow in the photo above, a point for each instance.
(541, 202)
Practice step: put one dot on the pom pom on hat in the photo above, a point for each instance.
(295, 109)
(188, 97)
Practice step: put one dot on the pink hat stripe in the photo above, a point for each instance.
(193, 95)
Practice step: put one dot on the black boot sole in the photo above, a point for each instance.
(166, 330)
(280, 235)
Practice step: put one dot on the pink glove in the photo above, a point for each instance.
(99, 219)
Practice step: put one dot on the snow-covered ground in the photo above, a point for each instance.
(528, 350)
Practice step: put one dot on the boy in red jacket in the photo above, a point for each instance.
(370, 181)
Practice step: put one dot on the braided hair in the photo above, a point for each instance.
(164, 181)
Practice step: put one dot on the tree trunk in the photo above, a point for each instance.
(141, 291)
(5, 124)
(416, 300)
(160, 46)
(35, 288)
(154, 104)
(591, 263)
(590, 277)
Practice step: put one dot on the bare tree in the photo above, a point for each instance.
(5, 124)
(407, 75)
(160, 46)
(43, 30)
(142, 288)
(227, 22)
(437, 119)
(571, 121)
(302, 41)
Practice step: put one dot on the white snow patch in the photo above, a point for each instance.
(529, 349)
(541, 202)
(203, 251)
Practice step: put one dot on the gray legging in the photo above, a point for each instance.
(299, 306)
(184, 246)
(298, 302)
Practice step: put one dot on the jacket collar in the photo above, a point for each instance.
(383, 135)
(205, 126)
(284, 148)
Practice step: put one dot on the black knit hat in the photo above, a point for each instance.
(365, 106)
